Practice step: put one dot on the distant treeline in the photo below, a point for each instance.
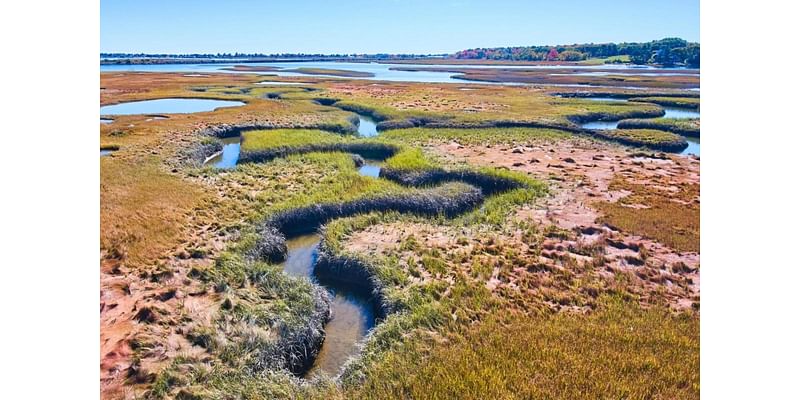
(150, 58)
(669, 51)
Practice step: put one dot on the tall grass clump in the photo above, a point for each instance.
(686, 127)
(649, 138)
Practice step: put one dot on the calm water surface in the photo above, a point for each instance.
(353, 317)
(367, 127)
(380, 71)
(682, 113)
(167, 106)
(370, 168)
(694, 146)
(353, 314)
(229, 155)
(600, 125)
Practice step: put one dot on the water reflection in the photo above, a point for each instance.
(367, 127)
(694, 146)
(370, 168)
(229, 155)
(167, 106)
(353, 312)
(682, 113)
(600, 125)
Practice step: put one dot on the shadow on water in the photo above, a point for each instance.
(352, 311)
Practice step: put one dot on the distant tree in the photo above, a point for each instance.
(662, 56)
(693, 56)
(552, 55)
(678, 55)
(640, 58)
(571, 55)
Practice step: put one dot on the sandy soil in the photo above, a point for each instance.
(579, 173)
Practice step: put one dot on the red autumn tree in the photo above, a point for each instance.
(552, 55)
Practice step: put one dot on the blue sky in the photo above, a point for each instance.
(384, 26)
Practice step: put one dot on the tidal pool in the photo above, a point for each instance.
(105, 152)
(367, 127)
(370, 168)
(682, 113)
(167, 106)
(353, 313)
(229, 155)
(106, 120)
(600, 125)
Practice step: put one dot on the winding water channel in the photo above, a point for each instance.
(669, 112)
(352, 312)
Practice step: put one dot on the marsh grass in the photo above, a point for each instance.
(475, 136)
(673, 223)
(261, 146)
(419, 106)
(142, 237)
(681, 102)
(618, 351)
(272, 138)
(650, 138)
(688, 127)
(411, 159)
